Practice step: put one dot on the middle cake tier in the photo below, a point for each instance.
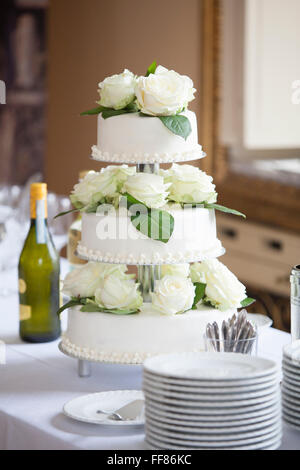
(112, 238)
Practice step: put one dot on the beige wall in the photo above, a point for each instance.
(91, 39)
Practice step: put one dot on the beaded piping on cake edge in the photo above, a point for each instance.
(89, 354)
(195, 154)
(144, 259)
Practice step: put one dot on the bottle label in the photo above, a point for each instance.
(40, 226)
(25, 312)
(22, 286)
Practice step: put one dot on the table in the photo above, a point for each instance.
(38, 379)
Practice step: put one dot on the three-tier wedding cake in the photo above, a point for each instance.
(160, 220)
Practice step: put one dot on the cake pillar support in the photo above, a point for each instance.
(84, 368)
(148, 168)
(147, 275)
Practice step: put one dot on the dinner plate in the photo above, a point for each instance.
(287, 376)
(289, 409)
(271, 444)
(291, 418)
(215, 438)
(289, 391)
(223, 366)
(242, 430)
(215, 404)
(291, 387)
(84, 408)
(291, 368)
(291, 424)
(290, 398)
(212, 397)
(213, 421)
(154, 384)
(210, 411)
(292, 352)
(272, 435)
(211, 383)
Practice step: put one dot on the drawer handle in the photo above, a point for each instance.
(275, 245)
(229, 232)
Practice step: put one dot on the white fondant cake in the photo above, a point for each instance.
(132, 338)
(113, 238)
(131, 138)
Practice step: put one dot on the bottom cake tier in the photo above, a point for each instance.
(130, 339)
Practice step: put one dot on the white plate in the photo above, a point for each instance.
(292, 352)
(290, 367)
(214, 366)
(290, 417)
(291, 387)
(273, 435)
(291, 376)
(84, 408)
(294, 400)
(213, 397)
(204, 410)
(271, 444)
(222, 438)
(205, 403)
(152, 419)
(156, 384)
(289, 408)
(291, 424)
(261, 321)
(214, 421)
(288, 391)
(211, 383)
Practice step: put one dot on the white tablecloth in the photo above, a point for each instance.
(38, 379)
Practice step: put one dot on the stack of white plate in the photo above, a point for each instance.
(211, 401)
(291, 384)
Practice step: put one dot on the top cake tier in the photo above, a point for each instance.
(132, 138)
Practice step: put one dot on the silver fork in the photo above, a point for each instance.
(112, 414)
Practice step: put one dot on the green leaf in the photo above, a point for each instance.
(199, 293)
(66, 212)
(69, 304)
(151, 69)
(223, 209)
(90, 112)
(247, 301)
(178, 124)
(110, 112)
(94, 308)
(90, 307)
(154, 223)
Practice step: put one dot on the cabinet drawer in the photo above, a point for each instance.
(256, 240)
(267, 276)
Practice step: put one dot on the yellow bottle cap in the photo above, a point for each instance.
(38, 191)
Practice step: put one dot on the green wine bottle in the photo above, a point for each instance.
(39, 275)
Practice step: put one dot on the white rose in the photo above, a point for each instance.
(189, 184)
(117, 91)
(182, 270)
(117, 293)
(84, 280)
(147, 188)
(173, 294)
(96, 186)
(164, 93)
(223, 289)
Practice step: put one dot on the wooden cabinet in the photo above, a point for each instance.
(260, 256)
